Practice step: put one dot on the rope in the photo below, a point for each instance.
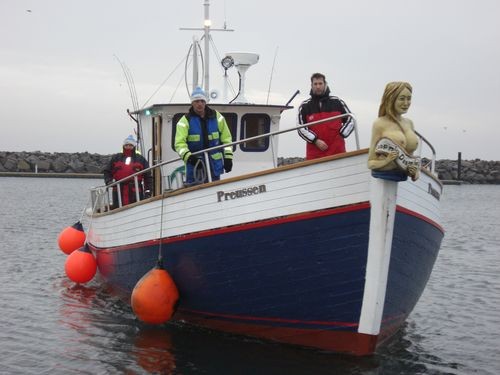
(84, 208)
(217, 55)
(91, 216)
(164, 81)
(199, 172)
(161, 230)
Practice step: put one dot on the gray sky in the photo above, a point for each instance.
(62, 90)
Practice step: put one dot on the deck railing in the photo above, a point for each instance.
(100, 196)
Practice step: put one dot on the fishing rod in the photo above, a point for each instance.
(135, 102)
(271, 77)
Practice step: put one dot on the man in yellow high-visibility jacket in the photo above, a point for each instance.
(202, 128)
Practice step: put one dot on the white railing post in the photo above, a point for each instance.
(136, 184)
(207, 164)
(119, 194)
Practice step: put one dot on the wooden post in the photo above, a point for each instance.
(459, 167)
(383, 195)
(157, 155)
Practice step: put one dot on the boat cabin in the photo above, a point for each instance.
(158, 124)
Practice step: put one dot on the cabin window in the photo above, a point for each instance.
(231, 120)
(253, 124)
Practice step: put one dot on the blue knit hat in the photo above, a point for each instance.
(130, 140)
(198, 94)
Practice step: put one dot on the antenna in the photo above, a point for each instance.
(225, 23)
(243, 61)
(271, 77)
(207, 23)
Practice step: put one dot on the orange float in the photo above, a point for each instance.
(81, 265)
(155, 296)
(71, 238)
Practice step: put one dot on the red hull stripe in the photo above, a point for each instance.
(273, 221)
(248, 226)
(332, 340)
(421, 217)
(276, 320)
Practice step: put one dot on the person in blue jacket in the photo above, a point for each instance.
(201, 128)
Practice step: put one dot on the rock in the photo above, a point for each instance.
(43, 166)
(10, 164)
(445, 175)
(288, 161)
(59, 165)
(77, 166)
(23, 166)
(33, 159)
(93, 168)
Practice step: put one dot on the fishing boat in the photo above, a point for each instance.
(317, 253)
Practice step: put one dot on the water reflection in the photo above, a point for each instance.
(104, 321)
(75, 309)
(180, 348)
(406, 353)
(153, 350)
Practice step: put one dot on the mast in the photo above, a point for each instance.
(207, 23)
(195, 62)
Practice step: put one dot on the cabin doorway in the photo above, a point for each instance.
(157, 154)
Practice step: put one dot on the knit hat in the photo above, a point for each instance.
(130, 140)
(198, 94)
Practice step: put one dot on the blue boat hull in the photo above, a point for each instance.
(297, 279)
(415, 247)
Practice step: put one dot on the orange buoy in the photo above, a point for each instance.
(155, 296)
(71, 238)
(80, 265)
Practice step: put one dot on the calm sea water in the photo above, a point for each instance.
(48, 325)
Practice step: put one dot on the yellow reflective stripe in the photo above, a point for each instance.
(193, 138)
(217, 156)
(182, 152)
(214, 135)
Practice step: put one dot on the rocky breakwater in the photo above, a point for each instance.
(56, 162)
(472, 171)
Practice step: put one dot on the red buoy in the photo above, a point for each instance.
(155, 296)
(71, 238)
(80, 265)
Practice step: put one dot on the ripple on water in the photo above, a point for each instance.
(50, 325)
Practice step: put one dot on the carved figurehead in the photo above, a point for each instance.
(393, 137)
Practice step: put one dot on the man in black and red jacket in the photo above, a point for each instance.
(326, 138)
(124, 164)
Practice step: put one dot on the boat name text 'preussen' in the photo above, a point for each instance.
(240, 193)
(433, 192)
